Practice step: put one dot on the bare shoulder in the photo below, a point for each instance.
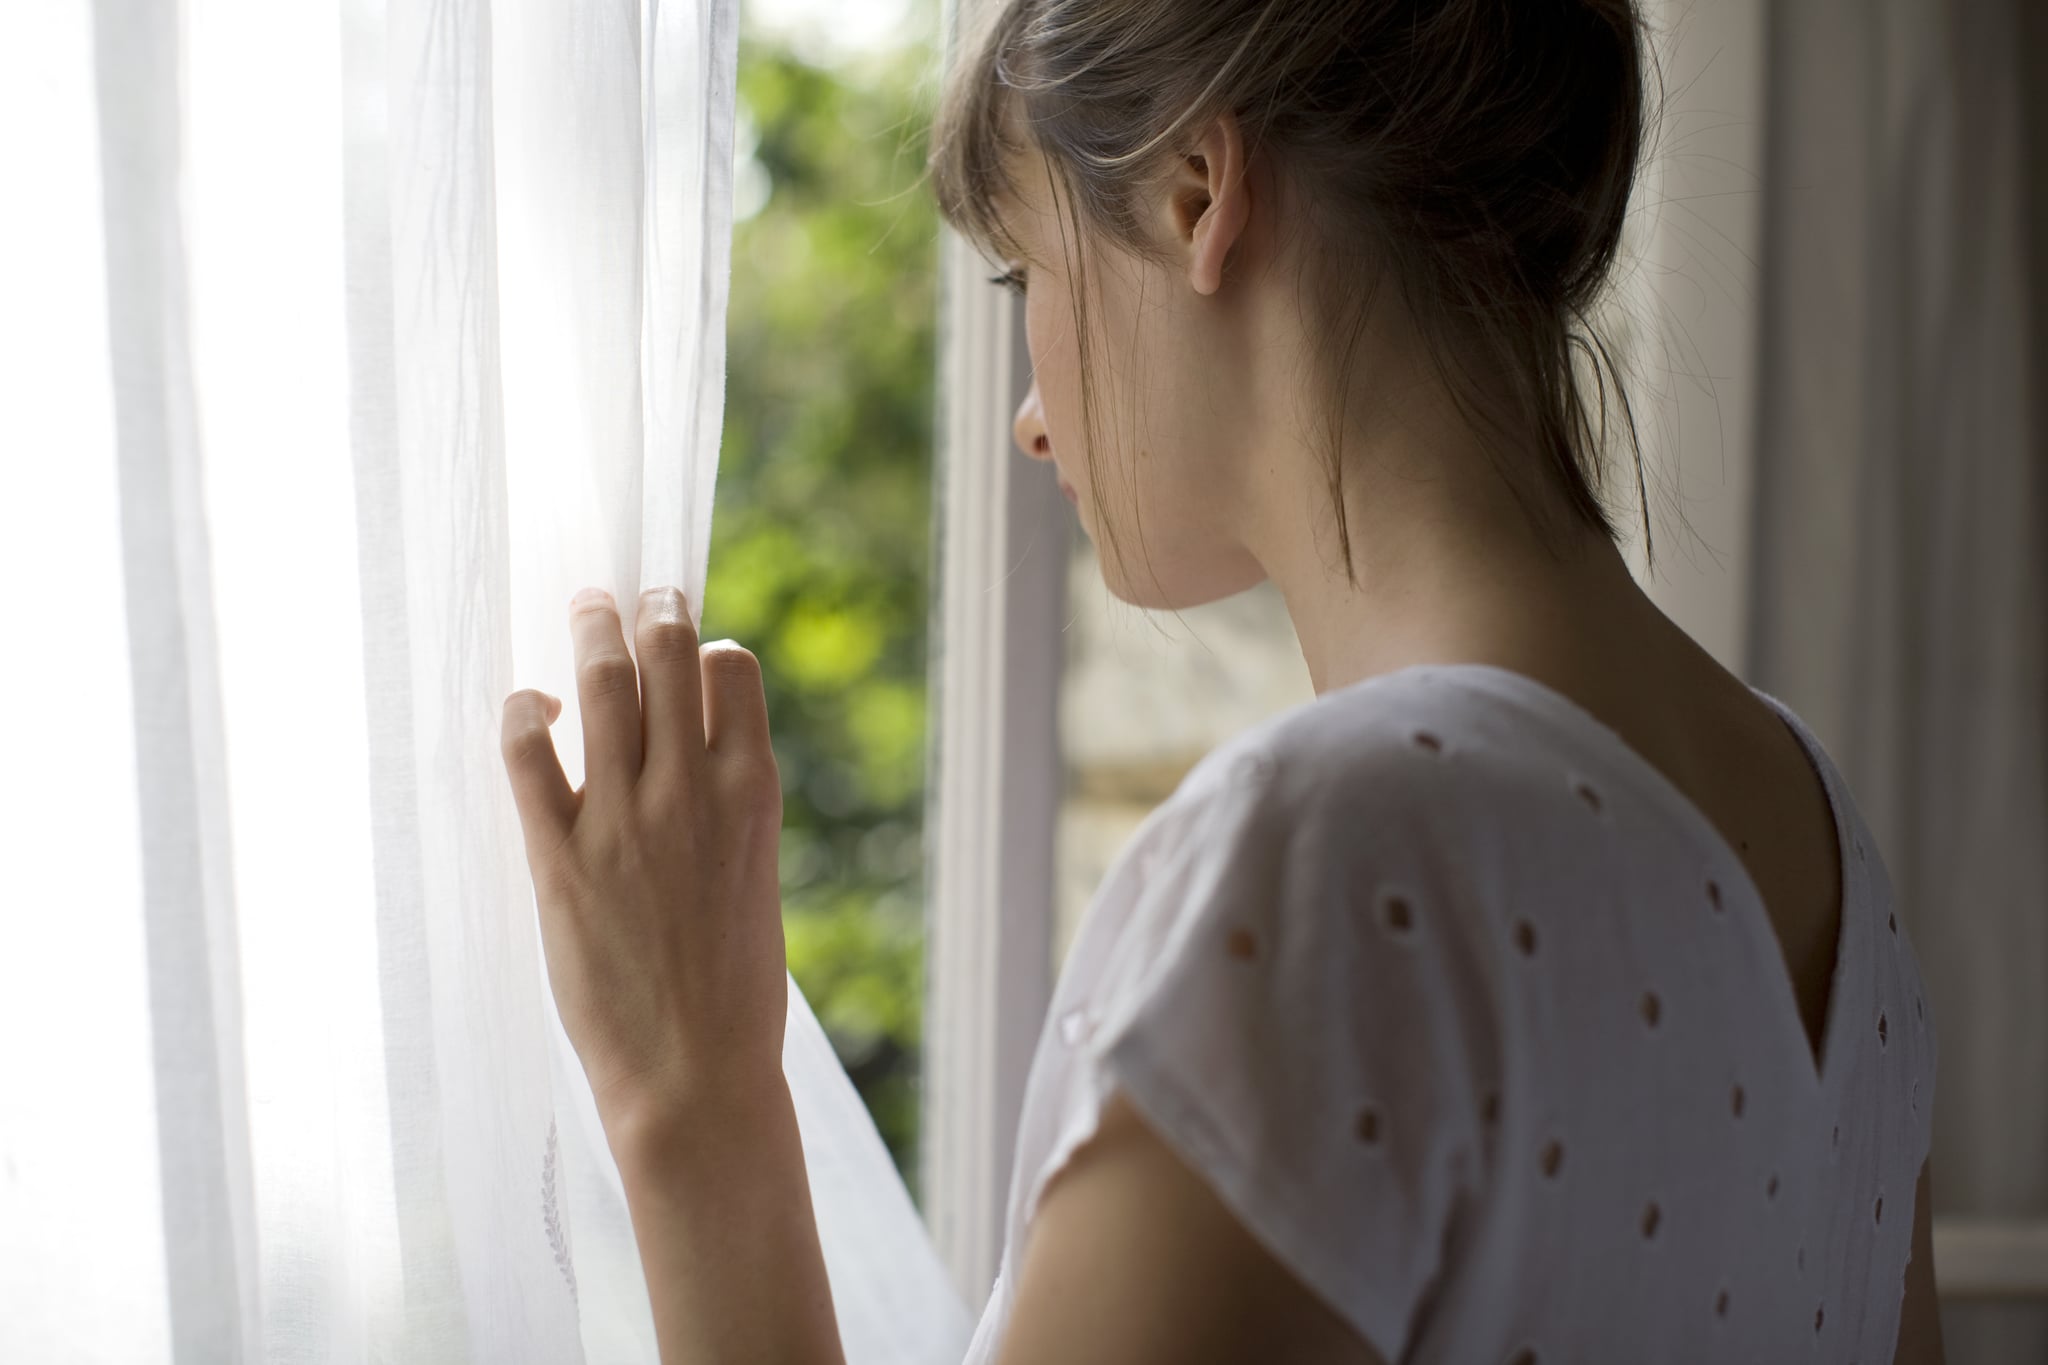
(1133, 1258)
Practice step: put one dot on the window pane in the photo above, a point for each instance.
(820, 557)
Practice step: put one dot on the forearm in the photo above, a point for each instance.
(721, 1209)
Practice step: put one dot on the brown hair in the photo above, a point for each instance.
(1479, 153)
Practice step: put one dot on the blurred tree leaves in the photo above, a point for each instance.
(820, 554)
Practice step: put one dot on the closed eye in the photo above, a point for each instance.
(1011, 279)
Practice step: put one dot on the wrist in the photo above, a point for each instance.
(654, 1129)
(720, 1202)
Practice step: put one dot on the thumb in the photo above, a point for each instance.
(540, 789)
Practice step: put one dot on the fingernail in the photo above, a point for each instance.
(667, 603)
(590, 597)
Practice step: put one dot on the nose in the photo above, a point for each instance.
(1028, 429)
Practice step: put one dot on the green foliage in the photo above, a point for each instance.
(820, 555)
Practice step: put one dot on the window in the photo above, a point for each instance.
(820, 561)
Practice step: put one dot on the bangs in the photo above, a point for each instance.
(972, 139)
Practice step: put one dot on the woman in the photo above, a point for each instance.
(1533, 994)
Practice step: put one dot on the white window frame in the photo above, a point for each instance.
(995, 771)
(1989, 1260)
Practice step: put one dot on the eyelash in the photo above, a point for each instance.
(1011, 279)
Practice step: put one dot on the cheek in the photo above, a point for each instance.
(1134, 390)
(1056, 365)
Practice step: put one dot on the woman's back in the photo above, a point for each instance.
(1478, 1022)
(1729, 753)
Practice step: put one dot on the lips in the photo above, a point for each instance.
(1067, 490)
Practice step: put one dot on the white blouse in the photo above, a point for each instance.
(1479, 1025)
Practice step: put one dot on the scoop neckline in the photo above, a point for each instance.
(1822, 1071)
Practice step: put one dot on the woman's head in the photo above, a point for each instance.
(1375, 199)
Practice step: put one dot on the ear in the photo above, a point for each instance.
(1209, 201)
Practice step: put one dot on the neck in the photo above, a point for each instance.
(1449, 569)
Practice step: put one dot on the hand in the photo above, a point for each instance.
(660, 909)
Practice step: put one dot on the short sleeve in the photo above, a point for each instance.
(1311, 1032)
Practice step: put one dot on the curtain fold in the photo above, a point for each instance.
(1901, 590)
(430, 1324)
(354, 340)
(187, 901)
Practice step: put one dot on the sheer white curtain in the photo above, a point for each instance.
(338, 345)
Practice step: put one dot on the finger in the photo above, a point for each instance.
(608, 686)
(735, 706)
(547, 805)
(671, 711)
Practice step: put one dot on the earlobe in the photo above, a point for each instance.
(1225, 202)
